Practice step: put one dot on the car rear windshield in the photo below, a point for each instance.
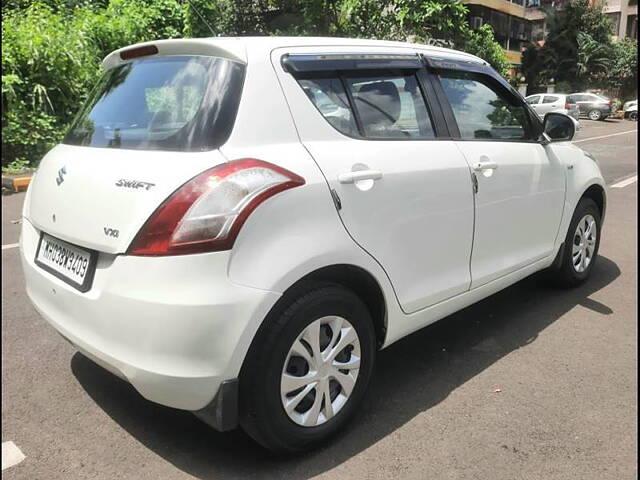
(176, 103)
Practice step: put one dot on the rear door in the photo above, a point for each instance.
(520, 188)
(550, 103)
(583, 101)
(402, 187)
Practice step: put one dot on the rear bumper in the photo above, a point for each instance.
(173, 327)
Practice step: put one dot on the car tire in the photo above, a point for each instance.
(276, 358)
(575, 261)
(633, 116)
(595, 114)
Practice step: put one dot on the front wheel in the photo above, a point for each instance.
(633, 116)
(580, 246)
(595, 115)
(307, 370)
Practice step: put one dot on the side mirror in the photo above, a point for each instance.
(559, 127)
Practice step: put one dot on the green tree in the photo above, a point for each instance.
(437, 22)
(623, 68)
(576, 50)
(225, 17)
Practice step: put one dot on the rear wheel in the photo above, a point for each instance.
(308, 370)
(580, 246)
(595, 114)
(633, 116)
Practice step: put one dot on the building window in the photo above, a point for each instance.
(538, 30)
(632, 26)
(615, 22)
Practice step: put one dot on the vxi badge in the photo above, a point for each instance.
(111, 232)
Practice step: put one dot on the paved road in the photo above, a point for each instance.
(564, 363)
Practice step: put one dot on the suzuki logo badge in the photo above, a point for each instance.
(61, 173)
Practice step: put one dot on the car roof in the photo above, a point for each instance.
(245, 48)
(590, 93)
(547, 93)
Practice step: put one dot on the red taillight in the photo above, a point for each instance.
(207, 212)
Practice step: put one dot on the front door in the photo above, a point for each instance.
(520, 189)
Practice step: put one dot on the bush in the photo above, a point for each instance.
(51, 58)
(47, 69)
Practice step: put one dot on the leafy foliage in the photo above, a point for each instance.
(579, 53)
(52, 49)
(623, 69)
(51, 58)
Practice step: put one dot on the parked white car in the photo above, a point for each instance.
(631, 110)
(209, 234)
(544, 103)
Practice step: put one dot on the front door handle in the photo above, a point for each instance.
(486, 165)
(351, 177)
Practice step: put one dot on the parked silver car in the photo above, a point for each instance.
(544, 103)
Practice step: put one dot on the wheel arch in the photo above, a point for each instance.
(362, 283)
(596, 193)
(352, 277)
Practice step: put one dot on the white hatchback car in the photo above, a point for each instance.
(543, 103)
(236, 225)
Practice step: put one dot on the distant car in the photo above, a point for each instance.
(631, 110)
(544, 103)
(592, 106)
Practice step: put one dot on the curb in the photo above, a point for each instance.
(16, 184)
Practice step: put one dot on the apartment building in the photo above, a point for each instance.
(518, 22)
(624, 17)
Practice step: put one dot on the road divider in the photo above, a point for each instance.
(604, 136)
(626, 182)
(11, 455)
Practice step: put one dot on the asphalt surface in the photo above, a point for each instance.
(531, 383)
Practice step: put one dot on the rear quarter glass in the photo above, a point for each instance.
(174, 103)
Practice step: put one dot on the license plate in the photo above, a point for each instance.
(69, 263)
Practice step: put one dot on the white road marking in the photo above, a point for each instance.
(10, 245)
(604, 136)
(624, 183)
(11, 455)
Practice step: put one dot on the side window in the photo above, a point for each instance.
(329, 97)
(549, 99)
(391, 107)
(533, 100)
(482, 111)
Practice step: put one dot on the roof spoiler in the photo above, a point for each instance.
(229, 48)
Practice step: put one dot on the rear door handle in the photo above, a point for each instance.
(486, 165)
(351, 177)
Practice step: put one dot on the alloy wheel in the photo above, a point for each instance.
(320, 371)
(595, 115)
(584, 243)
